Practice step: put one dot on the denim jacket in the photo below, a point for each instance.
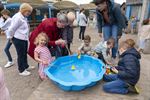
(115, 17)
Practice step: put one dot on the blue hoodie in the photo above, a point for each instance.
(129, 66)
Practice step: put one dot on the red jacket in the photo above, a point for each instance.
(49, 27)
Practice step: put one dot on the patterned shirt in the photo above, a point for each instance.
(44, 53)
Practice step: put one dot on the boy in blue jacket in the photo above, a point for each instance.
(127, 72)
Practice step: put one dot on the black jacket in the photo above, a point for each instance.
(129, 66)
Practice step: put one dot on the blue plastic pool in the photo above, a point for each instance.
(72, 73)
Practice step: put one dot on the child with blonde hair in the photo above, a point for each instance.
(130, 43)
(42, 54)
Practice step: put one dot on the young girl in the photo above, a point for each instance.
(4, 93)
(103, 50)
(42, 54)
(5, 13)
(85, 47)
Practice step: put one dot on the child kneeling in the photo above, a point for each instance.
(127, 72)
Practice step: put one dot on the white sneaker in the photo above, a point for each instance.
(9, 64)
(30, 68)
(25, 73)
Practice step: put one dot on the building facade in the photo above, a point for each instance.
(135, 8)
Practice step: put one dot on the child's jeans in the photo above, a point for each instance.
(114, 84)
(7, 47)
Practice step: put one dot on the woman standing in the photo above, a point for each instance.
(82, 20)
(19, 31)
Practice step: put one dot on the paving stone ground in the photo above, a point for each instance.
(31, 88)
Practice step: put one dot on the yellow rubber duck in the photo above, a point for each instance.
(73, 67)
(79, 56)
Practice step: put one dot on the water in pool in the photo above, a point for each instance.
(82, 70)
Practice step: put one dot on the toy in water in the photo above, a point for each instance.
(91, 71)
(79, 56)
(73, 67)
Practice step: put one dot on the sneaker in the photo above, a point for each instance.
(9, 64)
(30, 68)
(25, 73)
(133, 89)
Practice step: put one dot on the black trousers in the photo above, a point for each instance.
(21, 48)
(82, 31)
